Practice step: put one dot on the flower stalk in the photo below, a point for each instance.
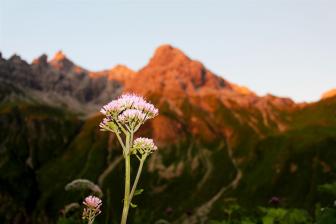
(92, 208)
(126, 115)
(127, 189)
(142, 161)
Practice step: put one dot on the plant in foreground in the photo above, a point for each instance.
(123, 117)
(92, 209)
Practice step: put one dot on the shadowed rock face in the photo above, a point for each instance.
(59, 82)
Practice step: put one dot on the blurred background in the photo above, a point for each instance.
(247, 100)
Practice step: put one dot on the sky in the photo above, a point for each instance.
(283, 47)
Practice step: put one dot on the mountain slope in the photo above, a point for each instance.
(58, 82)
(217, 141)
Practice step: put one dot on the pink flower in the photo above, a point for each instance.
(103, 124)
(148, 109)
(111, 108)
(144, 145)
(129, 101)
(92, 202)
(130, 115)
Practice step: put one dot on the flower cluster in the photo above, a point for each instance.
(92, 202)
(92, 209)
(129, 110)
(130, 115)
(124, 116)
(108, 125)
(144, 145)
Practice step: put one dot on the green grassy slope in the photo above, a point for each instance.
(31, 136)
(44, 148)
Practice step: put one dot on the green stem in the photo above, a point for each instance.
(127, 180)
(137, 127)
(91, 217)
(142, 161)
(122, 128)
(120, 141)
(131, 141)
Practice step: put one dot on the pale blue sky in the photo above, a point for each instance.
(285, 47)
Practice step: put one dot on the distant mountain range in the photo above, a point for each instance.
(217, 140)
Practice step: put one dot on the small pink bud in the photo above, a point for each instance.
(92, 202)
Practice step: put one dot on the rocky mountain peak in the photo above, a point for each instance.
(15, 58)
(60, 61)
(42, 60)
(167, 55)
(18, 61)
(121, 70)
(171, 72)
(59, 56)
(120, 73)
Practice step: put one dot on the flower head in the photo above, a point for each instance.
(147, 108)
(144, 145)
(111, 108)
(129, 109)
(92, 202)
(92, 208)
(131, 115)
(129, 101)
(108, 124)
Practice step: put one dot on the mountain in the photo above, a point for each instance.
(219, 143)
(58, 82)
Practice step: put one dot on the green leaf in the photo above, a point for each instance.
(138, 191)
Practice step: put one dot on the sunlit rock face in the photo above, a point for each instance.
(179, 83)
(173, 73)
(174, 81)
(170, 76)
(329, 94)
